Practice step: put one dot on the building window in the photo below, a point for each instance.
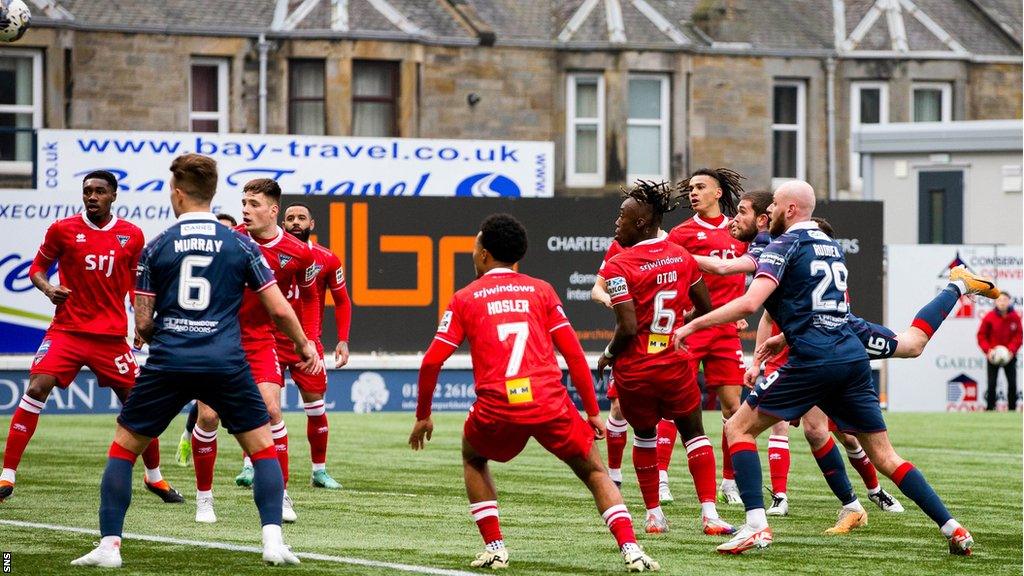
(374, 98)
(306, 97)
(208, 102)
(21, 108)
(869, 104)
(932, 101)
(584, 165)
(647, 128)
(789, 124)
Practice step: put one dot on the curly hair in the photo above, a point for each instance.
(824, 226)
(662, 197)
(728, 180)
(504, 237)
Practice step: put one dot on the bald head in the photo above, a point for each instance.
(794, 202)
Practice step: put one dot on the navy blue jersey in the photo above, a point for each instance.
(197, 270)
(758, 244)
(809, 304)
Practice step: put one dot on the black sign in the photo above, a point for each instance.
(405, 257)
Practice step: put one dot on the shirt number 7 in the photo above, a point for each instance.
(521, 331)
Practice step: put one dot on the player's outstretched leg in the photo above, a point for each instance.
(23, 426)
(271, 393)
(862, 464)
(667, 433)
(268, 493)
(741, 430)
(645, 462)
(154, 479)
(115, 497)
(204, 457)
(616, 438)
(700, 457)
(912, 483)
(614, 513)
(778, 468)
(184, 451)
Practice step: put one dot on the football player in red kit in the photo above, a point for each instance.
(713, 195)
(97, 254)
(329, 274)
(514, 323)
(655, 286)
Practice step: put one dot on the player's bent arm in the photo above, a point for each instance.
(725, 267)
(599, 293)
(284, 318)
(37, 274)
(744, 306)
(569, 347)
(144, 325)
(430, 368)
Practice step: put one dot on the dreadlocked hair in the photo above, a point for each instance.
(660, 196)
(728, 180)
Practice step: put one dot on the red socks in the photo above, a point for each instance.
(859, 460)
(280, 434)
(616, 442)
(666, 443)
(645, 461)
(778, 462)
(204, 457)
(620, 524)
(316, 431)
(151, 455)
(700, 457)
(485, 514)
(23, 426)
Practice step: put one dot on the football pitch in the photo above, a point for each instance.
(400, 507)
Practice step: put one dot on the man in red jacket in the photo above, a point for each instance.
(1001, 327)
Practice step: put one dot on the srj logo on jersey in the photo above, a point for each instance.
(617, 287)
(122, 240)
(284, 259)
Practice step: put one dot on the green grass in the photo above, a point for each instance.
(400, 506)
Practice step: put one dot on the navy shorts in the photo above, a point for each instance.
(879, 341)
(159, 396)
(845, 392)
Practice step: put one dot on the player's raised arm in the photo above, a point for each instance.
(723, 267)
(760, 289)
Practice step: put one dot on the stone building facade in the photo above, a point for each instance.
(771, 89)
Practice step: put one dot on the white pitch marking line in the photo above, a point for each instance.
(253, 549)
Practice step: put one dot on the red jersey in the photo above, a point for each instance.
(508, 319)
(613, 249)
(328, 274)
(773, 363)
(702, 238)
(656, 275)
(292, 261)
(98, 265)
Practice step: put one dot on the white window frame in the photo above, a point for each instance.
(24, 168)
(856, 182)
(946, 88)
(221, 115)
(573, 178)
(800, 128)
(662, 123)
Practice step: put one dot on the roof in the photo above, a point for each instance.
(925, 137)
(955, 29)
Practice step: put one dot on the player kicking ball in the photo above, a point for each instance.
(801, 280)
(97, 254)
(192, 278)
(513, 323)
(652, 285)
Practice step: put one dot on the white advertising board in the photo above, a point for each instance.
(951, 374)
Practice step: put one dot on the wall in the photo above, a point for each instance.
(990, 215)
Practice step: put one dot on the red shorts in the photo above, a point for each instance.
(644, 404)
(63, 354)
(307, 383)
(263, 363)
(566, 436)
(719, 349)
